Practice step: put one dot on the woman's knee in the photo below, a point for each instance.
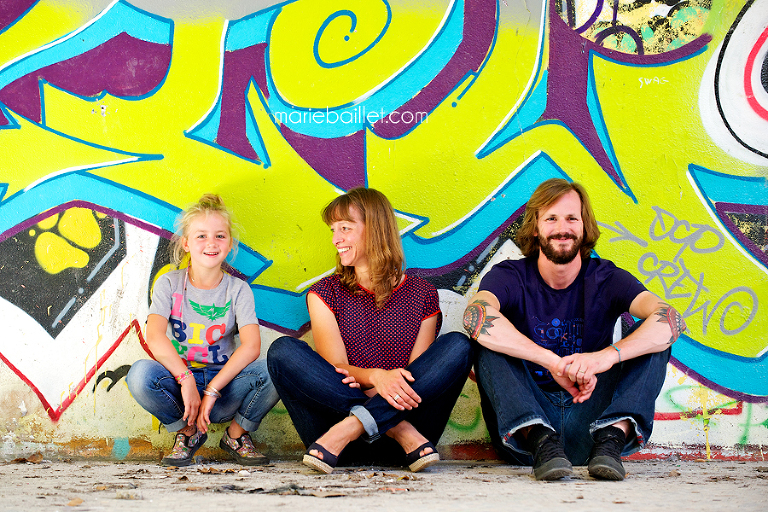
(281, 349)
(283, 357)
(457, 346)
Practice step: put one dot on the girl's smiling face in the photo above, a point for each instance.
(349, 240)
(208, 240)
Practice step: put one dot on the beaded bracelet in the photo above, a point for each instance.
(617, 350)
(183, 375)
(212, 391)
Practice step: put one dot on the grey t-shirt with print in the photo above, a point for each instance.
(201, 323)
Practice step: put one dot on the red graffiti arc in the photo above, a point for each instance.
(761, 41)
(55, 414)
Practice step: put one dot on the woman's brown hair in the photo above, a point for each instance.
(382, 240)
(545, 195)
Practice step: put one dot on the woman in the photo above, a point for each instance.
(378, 368)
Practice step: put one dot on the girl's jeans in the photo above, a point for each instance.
(246, 399)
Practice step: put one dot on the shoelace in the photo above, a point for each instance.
(550, 448)
(609, 445)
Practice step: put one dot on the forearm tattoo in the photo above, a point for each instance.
(476, 322)
(676, 323)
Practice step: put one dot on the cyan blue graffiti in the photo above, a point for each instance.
(132, 204)
(383, 100)
(715, 187)
(445, 249)
(353, 25)
(281, 308)
(719, 187)
(117, 18)
(747, 375)
(240, 34)
(121, 446)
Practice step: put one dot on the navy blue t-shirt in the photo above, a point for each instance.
(577, 319)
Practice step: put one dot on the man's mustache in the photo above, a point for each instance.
(563, 236)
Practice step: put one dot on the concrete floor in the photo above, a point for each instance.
(449, 485)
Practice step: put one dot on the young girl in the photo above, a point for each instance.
(192, 321)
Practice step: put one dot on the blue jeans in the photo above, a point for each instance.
(512, 400)
(247, 398)
(316, 399)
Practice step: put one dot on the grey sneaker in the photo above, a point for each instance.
(183, 453)
(605, 458)
(242, 449)
(549, 460)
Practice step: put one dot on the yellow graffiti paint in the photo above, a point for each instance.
(305, 82)
(80, 227)
(55, 254)
(53, 154)
(48, 222)
(431, 172)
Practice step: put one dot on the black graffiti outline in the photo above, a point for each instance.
(113, 375)
(720, 58)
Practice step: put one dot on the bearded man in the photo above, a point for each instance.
(555, 389)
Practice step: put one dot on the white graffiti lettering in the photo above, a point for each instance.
(652, 80)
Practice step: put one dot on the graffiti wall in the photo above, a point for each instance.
(116, 115)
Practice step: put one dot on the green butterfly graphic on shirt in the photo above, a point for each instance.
(211, 312)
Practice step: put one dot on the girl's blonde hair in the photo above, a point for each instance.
(382, 240)
(208, 204)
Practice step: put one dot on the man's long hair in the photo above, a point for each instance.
(545, 195)
(383, 247)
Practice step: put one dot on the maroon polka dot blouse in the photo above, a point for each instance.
(380, 338)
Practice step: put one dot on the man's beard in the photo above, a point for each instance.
(560, 258)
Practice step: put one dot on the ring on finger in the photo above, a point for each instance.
(396, 397)
(581, 371)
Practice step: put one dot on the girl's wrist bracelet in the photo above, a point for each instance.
(183, 375)
(212, 391)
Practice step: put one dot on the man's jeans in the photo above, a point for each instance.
(247, 398)
(316, 399)
(512, 400)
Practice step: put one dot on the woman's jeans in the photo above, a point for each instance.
(247, 398)
(316, 399)
(512, 400)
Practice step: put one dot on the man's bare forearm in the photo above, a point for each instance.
(485, 324)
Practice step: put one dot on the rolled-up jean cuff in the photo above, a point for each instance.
(369, 424)
(176, 425)
(633, 443)
(509, 436)
(248, 425)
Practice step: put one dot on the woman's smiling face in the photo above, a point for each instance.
(349, 240)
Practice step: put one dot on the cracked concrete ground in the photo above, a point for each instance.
(449, 485)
